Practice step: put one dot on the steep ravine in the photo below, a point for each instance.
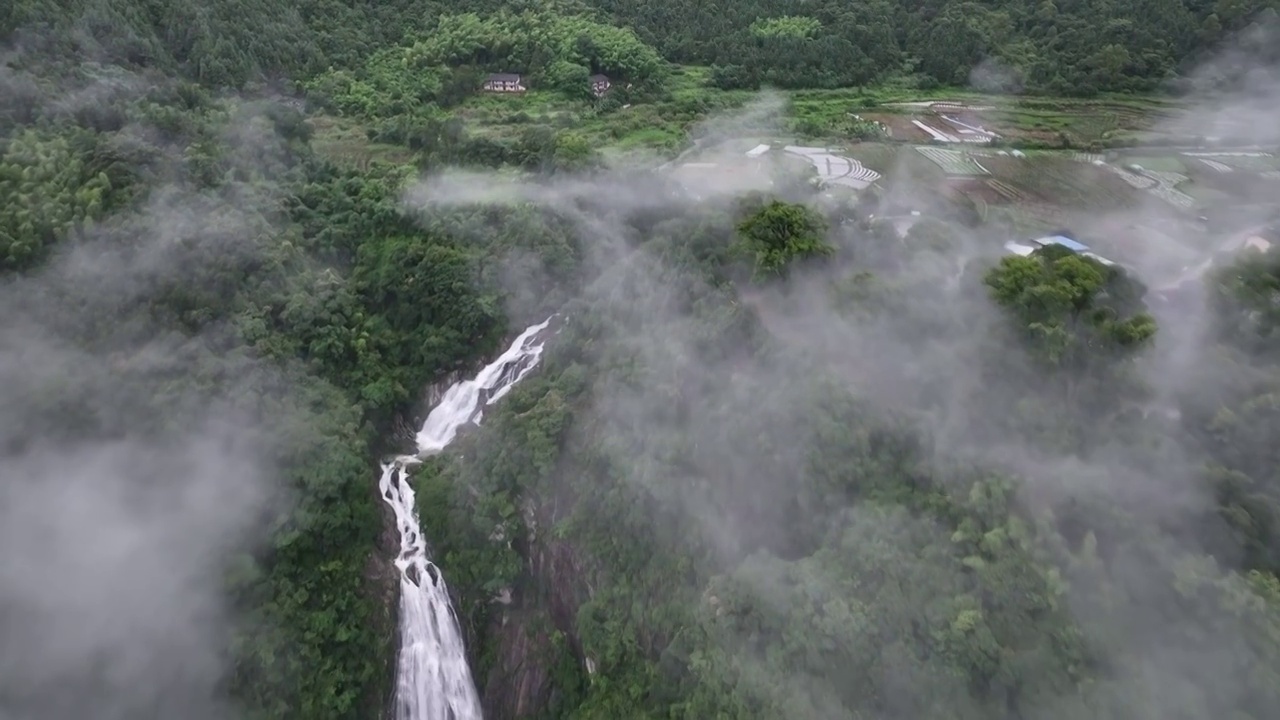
(381, 575)
(432, 659)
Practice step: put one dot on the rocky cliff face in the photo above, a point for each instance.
(537, 652)
(436, 390)
(520, 685)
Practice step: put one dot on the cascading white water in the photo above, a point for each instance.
(432, 676)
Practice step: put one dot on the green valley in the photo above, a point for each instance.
(906, 361)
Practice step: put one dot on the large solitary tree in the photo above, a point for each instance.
(780, 232)
(1075, 311)
(1081, 324)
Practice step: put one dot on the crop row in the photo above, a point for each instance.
(1173, 197)
(953, 162)
(1063, 182)
(1008, 191)
(1215, 165)
(1141, 182)
(858, 171)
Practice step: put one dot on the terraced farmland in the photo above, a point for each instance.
(1060, 181)
(1158, 163)
(1008, 192)
(835, 169)
(1246, 161)
(1081, 121)
(953, 162)
(1173, 197)
(1215, 165)
(1167, 188)
(1141, 182)
(1172, 179)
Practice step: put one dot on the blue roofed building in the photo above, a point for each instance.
(1027, 247)
(1064, 241)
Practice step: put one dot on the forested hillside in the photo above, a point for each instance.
(781, 460)
(221, 43)
(174, 261)
(874, 488)
(1077, 48)
(1081, 48)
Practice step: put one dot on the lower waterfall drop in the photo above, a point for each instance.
(433, 681)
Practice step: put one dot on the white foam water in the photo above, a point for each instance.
(433, 681)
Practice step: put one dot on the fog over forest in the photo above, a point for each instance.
(941, 357)
(792, 451)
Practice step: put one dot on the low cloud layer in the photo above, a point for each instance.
(932, 358)
(125, 488)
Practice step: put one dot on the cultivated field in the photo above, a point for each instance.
(835, 169)
(953, 162)
(1255, 161)
(900, 126)
(1079, 122)
(1045, 122)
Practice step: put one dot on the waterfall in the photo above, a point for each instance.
(433, 681)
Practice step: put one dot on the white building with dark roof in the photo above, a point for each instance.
(599, 84)
(504, 82)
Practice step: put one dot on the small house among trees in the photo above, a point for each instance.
(599, 85)
(504, 82)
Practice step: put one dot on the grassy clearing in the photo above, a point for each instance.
(819, 113)
(642, 127)
(689, 82)
(1082, 122)
(343, 141)
(1053, 125)
(501, 116)
(650, 138)
(883, 99)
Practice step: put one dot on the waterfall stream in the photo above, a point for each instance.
(433, 681)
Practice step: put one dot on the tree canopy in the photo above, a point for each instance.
(779, 459)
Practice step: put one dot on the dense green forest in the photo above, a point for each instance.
(777, 463)
(1076, 48)
(975, 514)
(1072, 48)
